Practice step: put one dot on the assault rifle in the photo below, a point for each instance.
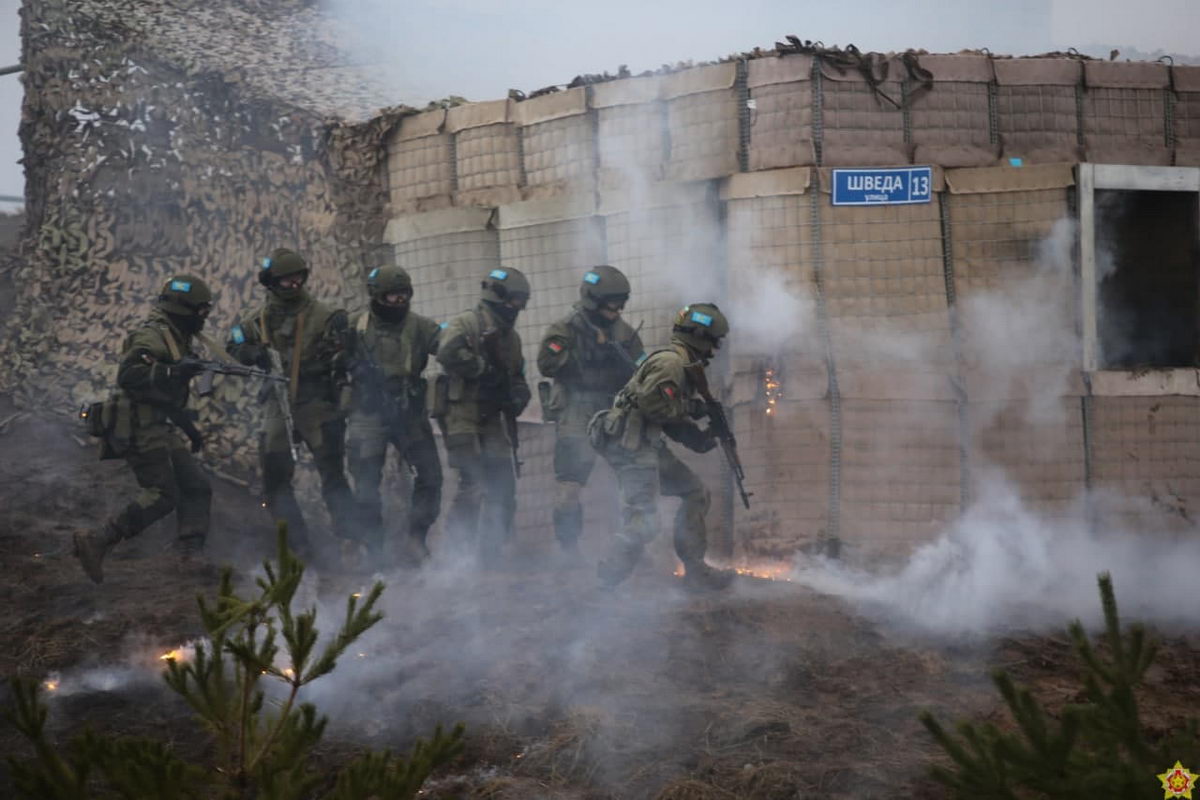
(283, 397)
(718, 423)
(618, 349)
(210, 369)
(491, 345)
(368, 376)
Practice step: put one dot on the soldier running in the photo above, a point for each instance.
(660, 400)
(485, 392)
(137, 424)
(590, 354)
(300, 336)
(388, 348)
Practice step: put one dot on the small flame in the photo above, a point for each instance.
(772, 390)
(50, 684)
(768, 572)
(362, 655)
(356, 595)
(172, 655)
(288, 672)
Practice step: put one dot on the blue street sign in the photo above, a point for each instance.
(881, 187)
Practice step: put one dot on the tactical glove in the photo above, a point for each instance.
(690, 436)
(697, 408)
(186, 369)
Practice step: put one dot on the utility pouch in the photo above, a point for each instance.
(438, 396)
(417, 392)
(112, 421)
(631, 438)
(456, 388)
(92, 415)
(553, 397)
(596, 430)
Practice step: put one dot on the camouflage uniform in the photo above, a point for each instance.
(589, 362)
(658, 402)
(141, 426)
(479, 389)
(385, 358)
(308, 335)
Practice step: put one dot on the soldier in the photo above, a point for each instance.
(136, 424)
(590, 354)
(388, 350)
(660, 399)
(485, 391)
(301, 337)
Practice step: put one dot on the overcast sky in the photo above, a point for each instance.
(481, 48)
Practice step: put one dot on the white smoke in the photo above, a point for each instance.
(1002, 567)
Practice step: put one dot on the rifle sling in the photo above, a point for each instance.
(294, 372)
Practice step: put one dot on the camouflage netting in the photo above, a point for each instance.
(142, 162)
(888, 406)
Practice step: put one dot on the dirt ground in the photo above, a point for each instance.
(766, 691)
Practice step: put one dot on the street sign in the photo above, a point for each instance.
(882, 187)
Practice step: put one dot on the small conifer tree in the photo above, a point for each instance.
(261, 749)
(1095, 749)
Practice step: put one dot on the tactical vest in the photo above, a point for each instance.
(603, 371)
(478, 392)
(625, 421)
(287, 331)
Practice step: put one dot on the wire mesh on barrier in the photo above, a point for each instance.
(1125, 113)
(951, 119)
(781, 115)
(885, 288)
(1035, 108)
(1144, 453)
(420, 167)
(702, 122)
(863, 122)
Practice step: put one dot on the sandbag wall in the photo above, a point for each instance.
(900, 403)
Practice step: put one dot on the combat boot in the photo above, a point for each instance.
(700, 577)
(619, 564)
(92, 546)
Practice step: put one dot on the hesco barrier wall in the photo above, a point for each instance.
(924, 350)
(886, 363)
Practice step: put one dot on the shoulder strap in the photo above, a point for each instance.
(297, 350)
(263, 332)
(362, 322)
(172, 345)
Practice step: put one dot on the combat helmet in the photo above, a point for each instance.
(187, 299)
(504, 283)
(700, 326)
(383, 281)
(603, 285)
(281, 263)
